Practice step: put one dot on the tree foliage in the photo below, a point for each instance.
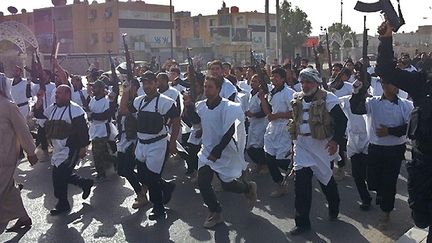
(295, 28)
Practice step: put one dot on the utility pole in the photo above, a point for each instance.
(341, 12)
(171, 29)
(267, 28)
(278, 34)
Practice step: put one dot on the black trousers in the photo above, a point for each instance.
(205, 177)
(126, 164)
(41, 138)
(359, 172)
(274, 165)
(257, 155)
(303, 196)
(384, 164)
(342, 148)
(64, 175)
(420, 189)
(154, 182)
(191, 158)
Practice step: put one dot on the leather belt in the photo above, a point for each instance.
(152, 140)
(22, 104)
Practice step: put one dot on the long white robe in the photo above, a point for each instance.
(257, 126)
(277, 141)
(313, 153)
(215, 123)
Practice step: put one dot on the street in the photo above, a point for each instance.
(107, 216)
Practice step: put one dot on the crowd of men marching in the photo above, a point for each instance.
(296, 128)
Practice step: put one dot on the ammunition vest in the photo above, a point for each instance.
(150, 122)
(59, 129)
(320, 121)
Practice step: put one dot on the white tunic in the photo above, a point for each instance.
(257, 126)
(48, 99)
(172, 93)
(228, 89)
(313, 153)
(76, 96)
(358, 139)
(99, 129)
(19, 96)
(243, 84)
(53, 112)
(384, 112)
(215, 124)
(346, 89)
(153, 154)
(277, 141)
(297, 87)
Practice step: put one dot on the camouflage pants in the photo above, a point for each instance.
(101, 156)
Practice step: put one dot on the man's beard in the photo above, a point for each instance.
(310, 92)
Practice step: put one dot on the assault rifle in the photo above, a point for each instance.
(191, 75)
(128, 57)
(263, 77)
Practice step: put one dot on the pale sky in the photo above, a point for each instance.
(320, 12)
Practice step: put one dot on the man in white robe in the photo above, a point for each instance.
(222, 152)
(318, 126)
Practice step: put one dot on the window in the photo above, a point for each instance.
(92, 14)
(212, 22)
(94, 39)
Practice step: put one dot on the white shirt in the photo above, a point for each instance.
(228, 89)
(384, 112)
(53, 112)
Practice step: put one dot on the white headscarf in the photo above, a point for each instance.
(310, 74)
(4, 87)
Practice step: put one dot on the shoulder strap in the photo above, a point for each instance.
(156, 105)
(145, 104)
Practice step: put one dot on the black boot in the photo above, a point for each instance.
(167, 190)
(157, 213)
(61, 207)
(297, 230)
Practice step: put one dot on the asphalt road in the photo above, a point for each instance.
(106, 216)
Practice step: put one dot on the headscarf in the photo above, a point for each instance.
(310, 74)
(5, 87)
